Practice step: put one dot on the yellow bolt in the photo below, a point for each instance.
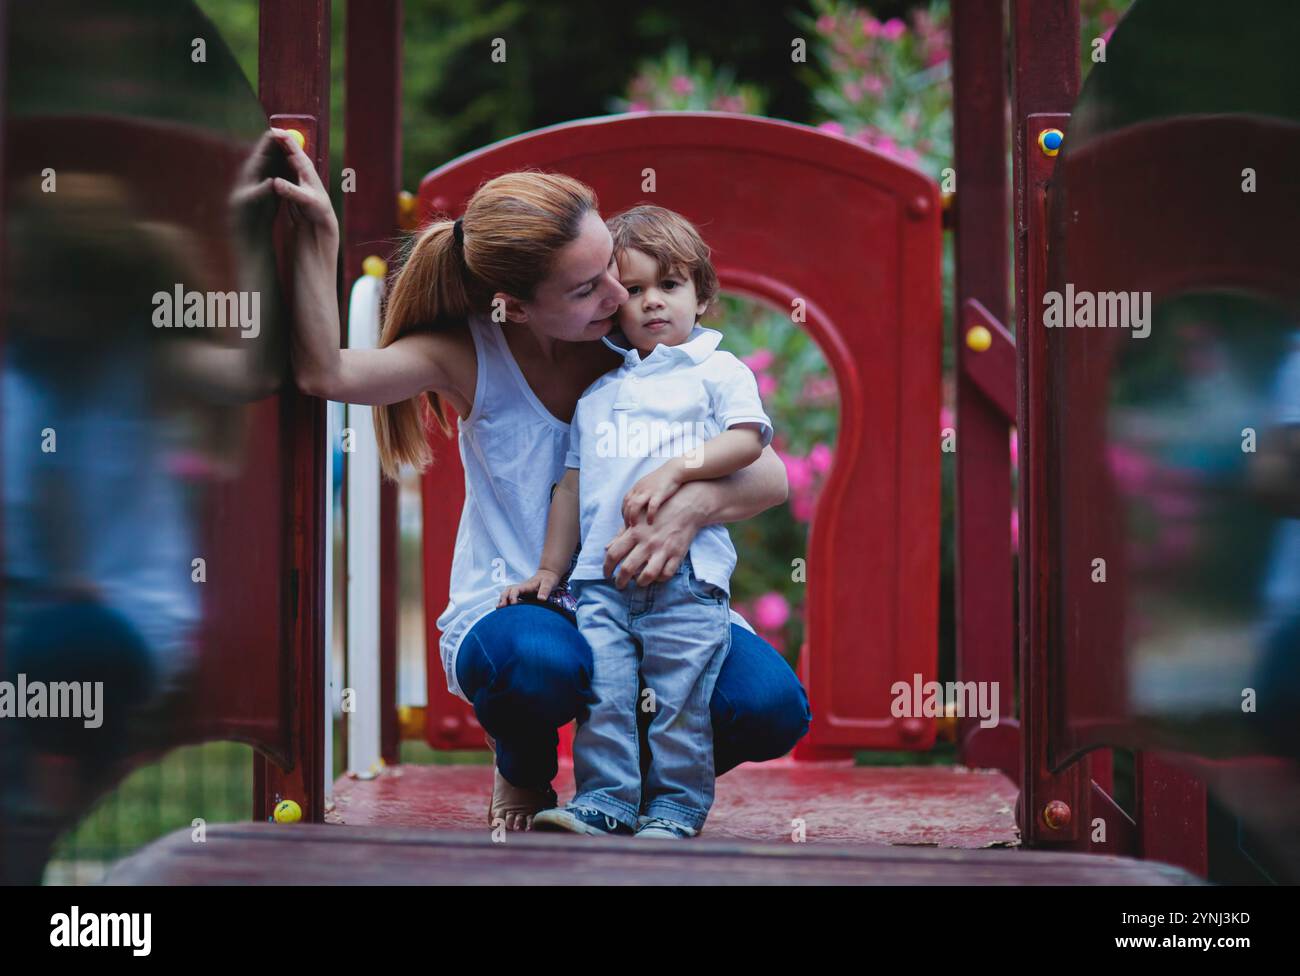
(978, 338)
(406, 203)
(374, 266)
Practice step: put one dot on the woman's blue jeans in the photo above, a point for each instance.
(527, 670)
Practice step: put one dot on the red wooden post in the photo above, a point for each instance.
(293, 83)
(1045, 51)
(985, 634)
(373, 152)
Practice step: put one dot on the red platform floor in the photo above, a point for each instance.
(940, 806)
(929, 825)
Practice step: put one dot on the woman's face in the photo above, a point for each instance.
(577, 301)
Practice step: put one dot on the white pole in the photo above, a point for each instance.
(362, 460)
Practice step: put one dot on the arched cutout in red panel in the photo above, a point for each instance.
(790, 212)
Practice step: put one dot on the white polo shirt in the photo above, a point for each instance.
(634, 418)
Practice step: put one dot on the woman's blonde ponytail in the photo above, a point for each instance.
(430, 286)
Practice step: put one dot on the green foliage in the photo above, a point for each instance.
(212, 781)
(1097, 19)
(454, 94)
(887, 85)
(236, 21)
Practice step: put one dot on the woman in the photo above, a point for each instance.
(497, 314)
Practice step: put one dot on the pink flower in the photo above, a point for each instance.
(834, 128)
(1015, 448)
(946, 419)
(820, 458)
(1106, 36)
(852, 92)
(826, 24)
(936, 55)
(821, 389)
(1130, 468)
(638, 107)
(759, 359)
(1015, 530)
(873, 84)
(681, 85)
(893, 29)
(771, 611)
(767, 384)
(802, 508)
(798, 472)
(886, 145)
(871, 27)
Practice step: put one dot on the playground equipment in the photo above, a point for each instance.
(1101, 204)
(860, 223)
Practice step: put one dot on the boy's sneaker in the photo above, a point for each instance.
(579, 820)
(658, 827)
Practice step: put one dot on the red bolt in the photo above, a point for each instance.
(1057, 815)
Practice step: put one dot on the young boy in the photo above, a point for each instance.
(677, 410)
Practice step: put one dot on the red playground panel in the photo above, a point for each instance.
(854, 256)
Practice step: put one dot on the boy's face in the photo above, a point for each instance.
(658, 310)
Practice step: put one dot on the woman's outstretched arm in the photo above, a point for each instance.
(406, 368)
(653, 552)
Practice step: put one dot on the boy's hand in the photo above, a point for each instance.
(651, 492)
(542, 583)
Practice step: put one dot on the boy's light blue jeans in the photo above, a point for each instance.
(679, 632)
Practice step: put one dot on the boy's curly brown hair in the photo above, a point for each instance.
(671, 240)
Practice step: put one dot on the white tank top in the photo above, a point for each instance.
(512, 449)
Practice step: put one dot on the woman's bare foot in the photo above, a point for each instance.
(514, 805)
